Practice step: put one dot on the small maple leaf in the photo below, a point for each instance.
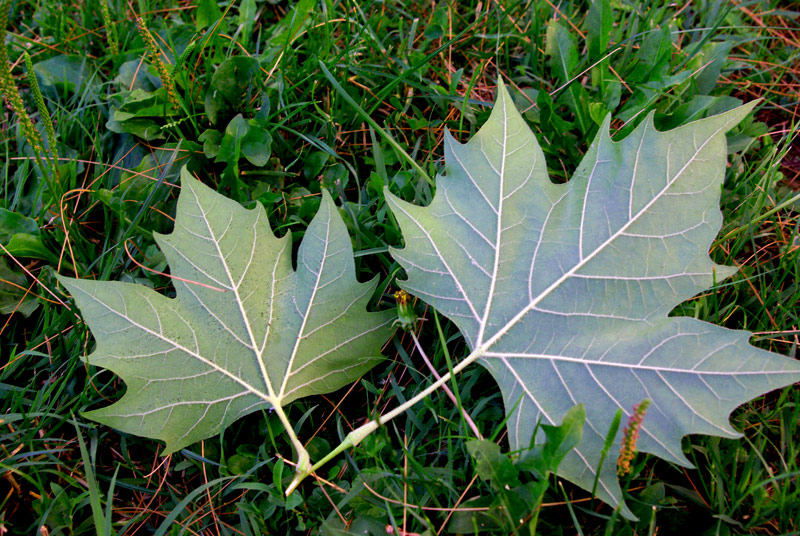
(245, 331)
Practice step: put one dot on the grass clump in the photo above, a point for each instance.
(272, 103)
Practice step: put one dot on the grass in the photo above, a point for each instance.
(355, 96)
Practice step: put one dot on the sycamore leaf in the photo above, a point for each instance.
(244, 332)
(563, 291)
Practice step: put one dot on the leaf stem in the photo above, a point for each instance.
(357, 436)
(303, 459)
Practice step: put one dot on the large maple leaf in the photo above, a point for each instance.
(244, 332)
(563, 291)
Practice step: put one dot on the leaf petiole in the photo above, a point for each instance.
(303, 459)
(357, 436)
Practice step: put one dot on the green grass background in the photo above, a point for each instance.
(270, 102)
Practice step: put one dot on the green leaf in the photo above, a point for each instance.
(599, 22)
(141, 103)
(30, 246)
(559, 440)
(229, 86)
(697, 108)
(708, 65)
(131, 77)
(245, 331)
(211, 142)
(21, 237)
(141, 113)
(13, 295)
(247, 16)
(257, 145)
(231, 145)
(652, 59)
(313, 164)
(563, 52)
(143, 127)
(288, 27)
(562, 49)
(491, 464)
(12, 223)
(207, 13)
(71, 73)
(563, 291)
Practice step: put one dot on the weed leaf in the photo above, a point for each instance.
(244, 332)
(563, 291)
(13, 297)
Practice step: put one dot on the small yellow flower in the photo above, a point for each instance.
(406, 316)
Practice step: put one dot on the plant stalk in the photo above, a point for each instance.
(303, 459)
(357, 436)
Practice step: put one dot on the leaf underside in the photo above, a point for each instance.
(563, 291)
(245, 331)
